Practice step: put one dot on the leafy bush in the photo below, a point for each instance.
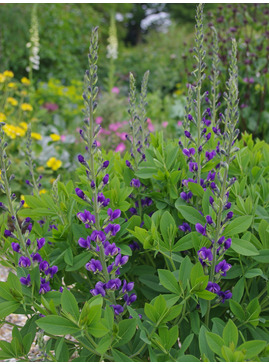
(160, 255)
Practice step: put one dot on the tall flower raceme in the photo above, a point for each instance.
(112, 51)
(33, 44)
(29, 251)
(107, 259)
(35, 182)
(216, 180)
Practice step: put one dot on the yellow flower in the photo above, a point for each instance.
(0, 175)
(52, 180)
(42, 191)
(26, 107)
(54, 163)
(259, 88)
(2, 78)
(25, 81)
(36, 136)
(25, 204)
(24, 125)
(55, 137)
(12, 101)
(40, 169)
(23, 93)
(13, 131)
(2, 117)
(11, 85)
(9, 74)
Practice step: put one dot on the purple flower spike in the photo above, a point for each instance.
(185, 227)
(16, 247)
(118, 309)
(213, 287)
(98, 236)
(44, 286)
(209, 219)
(210, 155)
(36, 258)
(80, 193)
(228, 205)
(102, 200)
(134, 246)
(201, 229)
(228, 243)
(127, 287)
(222, 267)
(230, 215)
(7, 233)
(40, 243)
(111, 250)
(135, 183)
(81, 159)
(187, 134)
(225, 295)
(24, 262)
(52, 271)
(120, 261)
(99, 289)
(105, 179)
(26, 281)
(221, 240)
(129, 299)
(113, 214)
(85, 243)
(43, 266)
(105, 164)
(205, 255)
(190, 118)
(94, 266)
(113, 284)
(211, 200)
(128, 164)
(86, 217)
(193, 167)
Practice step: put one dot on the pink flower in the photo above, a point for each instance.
(99, 119)
(122, 136)
(103, 131)
(115, 90)
(150, 125)
(63, 138)
(98, 143)
(50, 106)
(165, 124)
(179, 123)
(115, 126)
(120, 147)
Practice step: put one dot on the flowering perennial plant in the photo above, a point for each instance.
(159, 255)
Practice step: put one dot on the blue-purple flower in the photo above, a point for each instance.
(94, 266)
(40, 243)
(205, 255)
(213, 287)
(113, 284)
(24, 262)
(16, 247)
(85, 243)
(135, 183)
(26, 281)
(99, 289)
(118, 309)
(201, 229)
(113, 214)
(222, 267)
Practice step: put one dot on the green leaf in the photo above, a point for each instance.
(237, 310)
(215, 342)
(185, 271)
(244, 247)
(252, 348)
(168, 228)
(127, 330)
(151, 312)
(119, 356)
(238, 225)
(79, 261)
(56, 325)
(206, 295)
(196, 189)
(230, 334)
(69, 304)
(104, 344)
(196, 273)
(184, 243)
(68, 256)
(61, 352)
(190, 214)
(168, 280)
(8, 307)
(203, 345)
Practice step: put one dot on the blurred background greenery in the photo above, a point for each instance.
(154, 37)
